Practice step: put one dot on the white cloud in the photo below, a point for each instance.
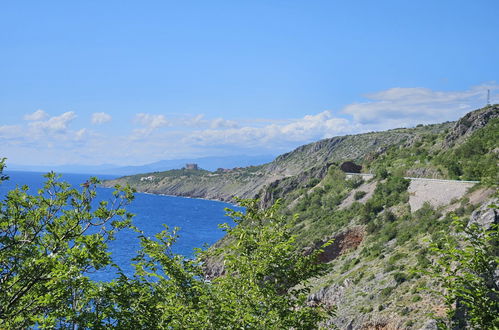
(306, 129)
(151, 121)
(10, 132)
(100, 118)
(197, 120)
(56, 124)
(80, 134)
(48, 138)
(410, 106)
(221, 123)
(200, 122)
(37, 115)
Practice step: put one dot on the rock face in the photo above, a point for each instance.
(486, 215)
(279, 188)
(469, 123)
(424, 172)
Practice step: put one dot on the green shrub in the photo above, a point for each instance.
(359, 194)
(386, 292)
(364, 310)
(354, 182)
(400, 277)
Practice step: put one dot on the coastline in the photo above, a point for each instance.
(190, 197)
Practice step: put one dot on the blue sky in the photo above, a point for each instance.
(131, 82)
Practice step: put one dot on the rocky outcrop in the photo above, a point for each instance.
(213, 267)
(469, 123)
(280, 188)
(486, 215)
(424, 172)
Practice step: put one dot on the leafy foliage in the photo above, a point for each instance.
(264, 285)
(51, 241)
(359, 194)
(465, 267)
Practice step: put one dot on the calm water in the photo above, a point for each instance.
(198, 219)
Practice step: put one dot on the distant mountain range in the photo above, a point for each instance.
(207, 163)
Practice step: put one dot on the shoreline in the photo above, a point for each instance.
(169, 195)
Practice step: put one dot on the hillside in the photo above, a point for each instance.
(372, 150)
(381, 223)
(247, 182)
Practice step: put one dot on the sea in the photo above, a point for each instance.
(198, 219)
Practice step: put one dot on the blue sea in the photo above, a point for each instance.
(198, 219)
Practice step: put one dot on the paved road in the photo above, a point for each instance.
(437, 192)
(370, 175)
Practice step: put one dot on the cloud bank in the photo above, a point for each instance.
(417, 104)
(149, 137)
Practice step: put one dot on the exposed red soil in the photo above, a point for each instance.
(343, 242)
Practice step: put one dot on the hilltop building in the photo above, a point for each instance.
(192, 166)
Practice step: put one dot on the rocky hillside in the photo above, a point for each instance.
(248, 182)
(311, 160)
(381, 224)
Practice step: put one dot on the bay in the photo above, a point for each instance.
(198, 219)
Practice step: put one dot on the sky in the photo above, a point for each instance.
(133, 82)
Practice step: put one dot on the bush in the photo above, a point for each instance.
(400, 277)
(359, 194)
(354, 182)
(465, 267)
(386, 292)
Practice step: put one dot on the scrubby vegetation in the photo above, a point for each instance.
(474, 159)
(465, 266)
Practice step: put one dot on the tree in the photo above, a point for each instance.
(465, 268)
(49, 243)
(264, 284)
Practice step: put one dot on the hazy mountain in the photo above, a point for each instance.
(208, 163)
